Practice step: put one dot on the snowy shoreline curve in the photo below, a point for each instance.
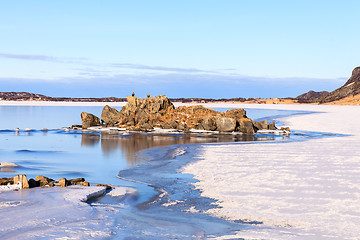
(297, 190)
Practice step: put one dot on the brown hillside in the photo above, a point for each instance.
(350, 89)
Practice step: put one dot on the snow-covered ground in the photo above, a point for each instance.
(298, 190)
(56, 213)
(306, 189)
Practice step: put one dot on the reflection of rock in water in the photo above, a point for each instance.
(7, 169)
(89, 140)
(110, 142)
(131, 144)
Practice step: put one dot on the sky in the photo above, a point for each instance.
(187, 48)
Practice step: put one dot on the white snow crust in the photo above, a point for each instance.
(299, 190)
(80, 194)
(55, 213)
(10, 187)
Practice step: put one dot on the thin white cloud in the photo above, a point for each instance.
(29, 57)
(159, 68)
(85, 62)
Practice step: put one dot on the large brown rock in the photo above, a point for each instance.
(246, 126)
(22, 179)
(110, 116)
(89, 120)
(225, 124)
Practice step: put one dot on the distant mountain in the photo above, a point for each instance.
(21, 96)
(311, 96)
(350, 88)
(26, 96)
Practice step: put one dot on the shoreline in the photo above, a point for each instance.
(164, 171)
(202, 204)
(121, 104)
(296, 190)
(50, 103)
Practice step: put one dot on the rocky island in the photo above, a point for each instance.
(159, 112)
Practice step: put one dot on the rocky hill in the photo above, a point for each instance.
(26, 96)
(14, 96)
(310, 96)
(350, 89)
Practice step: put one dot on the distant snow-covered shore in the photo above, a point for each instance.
(50, 103)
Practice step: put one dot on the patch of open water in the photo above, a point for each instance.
(167, 206)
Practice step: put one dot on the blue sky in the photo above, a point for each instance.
(179, 48)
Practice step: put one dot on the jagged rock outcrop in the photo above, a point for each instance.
(145, 114)
(140, 113)
(89, 120)
(110, 115)
(350, 88)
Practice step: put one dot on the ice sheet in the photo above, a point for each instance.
(55, 213)
(300, 190)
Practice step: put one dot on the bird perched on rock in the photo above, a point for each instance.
(133, 94)
(148, 95)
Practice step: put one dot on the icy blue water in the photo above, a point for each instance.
(99, 158)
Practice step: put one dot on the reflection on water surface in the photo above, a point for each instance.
(96, 156)
(135, 142)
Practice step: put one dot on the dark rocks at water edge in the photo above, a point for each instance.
(159, 112)
(41, 181)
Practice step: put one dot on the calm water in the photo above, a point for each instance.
(100, 157)
(97, 157)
